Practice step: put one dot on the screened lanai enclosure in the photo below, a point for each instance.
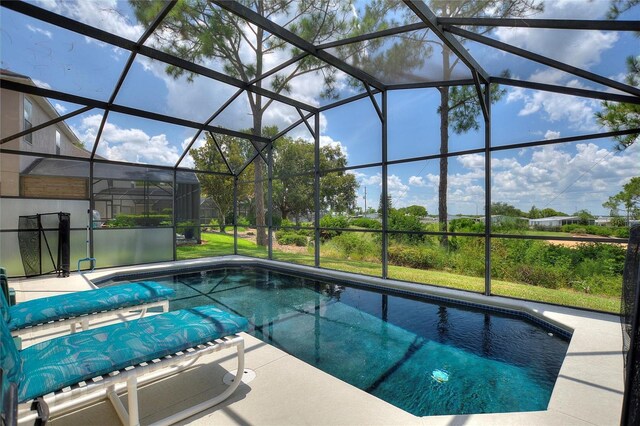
(486, 146)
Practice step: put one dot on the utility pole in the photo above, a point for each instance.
(365, 201)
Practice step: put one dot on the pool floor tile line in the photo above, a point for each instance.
(417, 344)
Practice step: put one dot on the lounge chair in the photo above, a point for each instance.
(78, 369)
(83, 306)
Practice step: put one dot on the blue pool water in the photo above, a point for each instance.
(398, 348)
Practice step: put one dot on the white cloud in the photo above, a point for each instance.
(41, 83)
(103, 14)
(187, 161)
(566, 181)
(199, 98)
(204, 96)
(578, 112)
(396, 188)
(582, 49)
(434, 180)
(498, 163)
(132, 144)
(60, 108)
(373, 180)
(328, 141)
(515, 94)
(579, 48)
(417, 181)
(551, 134)
(471, 161)
(39, 30)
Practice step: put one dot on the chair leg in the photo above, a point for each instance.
(175, 418)
(132, 396)
(131, 418)
(117, 405)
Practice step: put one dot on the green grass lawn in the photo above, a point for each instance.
(222, 244)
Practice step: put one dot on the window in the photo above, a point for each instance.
(28, 110)
(57, 142)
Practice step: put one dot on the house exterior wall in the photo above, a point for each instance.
(54, 186)
(10, 123)
(556, 222)
(42, 141)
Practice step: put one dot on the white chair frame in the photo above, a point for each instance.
(127, 380)
(85, 320)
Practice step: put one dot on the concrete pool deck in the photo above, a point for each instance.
(287, 391)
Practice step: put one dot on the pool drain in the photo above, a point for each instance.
(247, 376)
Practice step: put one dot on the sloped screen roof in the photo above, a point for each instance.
(138, 61)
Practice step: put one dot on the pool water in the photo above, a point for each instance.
(428, 358)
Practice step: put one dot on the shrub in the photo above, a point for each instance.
(133, 220)
(468, 258)
(402, 222)
(620, 232)
(186, 228)
(603, 231)
(466, 225)
(417, 257)
(354, 245)
(286, 237)
(579, 231)
(338, 221)
(601, 284)
(287, 222)
(609, 257)
(328, 221)
(243, 221)
(365, 222)
(539, 276)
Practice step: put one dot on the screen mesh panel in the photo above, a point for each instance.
(630, 331)
(29, 242)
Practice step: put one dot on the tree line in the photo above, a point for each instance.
(293, 177)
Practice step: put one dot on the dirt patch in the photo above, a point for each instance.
(250, 235)
(577, 243)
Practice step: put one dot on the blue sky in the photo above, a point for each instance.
(566, 177)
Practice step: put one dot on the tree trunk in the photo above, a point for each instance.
(444, 149)
(261, 232)
(222, 221)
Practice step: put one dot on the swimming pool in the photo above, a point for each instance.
(424, 356)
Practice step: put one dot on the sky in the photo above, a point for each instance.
(566, 177)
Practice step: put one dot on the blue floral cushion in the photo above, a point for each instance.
(4, 308)
(10, 361)
(38, 311)
(60, 362)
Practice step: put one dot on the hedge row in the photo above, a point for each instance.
(134, 220)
